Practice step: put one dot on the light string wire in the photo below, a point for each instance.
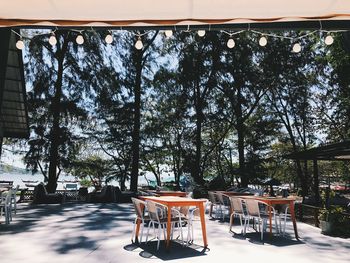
(188, 30)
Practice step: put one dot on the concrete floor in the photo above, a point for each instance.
(101, 233)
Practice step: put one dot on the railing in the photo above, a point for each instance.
(27, 195)
(309, 214)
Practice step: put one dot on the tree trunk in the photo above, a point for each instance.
(197, 175)
(136, 130)
(241, 157)
(240, 137)
(55, 130)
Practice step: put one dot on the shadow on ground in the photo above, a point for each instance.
(176, 251)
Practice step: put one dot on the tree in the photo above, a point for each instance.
(93, 167)
(290, 96)
(59, 76)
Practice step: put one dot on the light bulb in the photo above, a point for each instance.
(231, 43)
(20, 44)
(263, 41)
(168, 33)
(109, 39)
(329, 40)
(52, 40)
(79, 40)
(138, 44)
(201, 33)
(296, 48)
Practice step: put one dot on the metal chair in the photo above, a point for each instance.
(257, 211)
(139, 206)
(158, 216)
(237, 210)
(71, 187)
(225, 204)
(6, 206)
(13, 198)
(214, 202)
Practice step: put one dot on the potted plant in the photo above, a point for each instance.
(330, 218)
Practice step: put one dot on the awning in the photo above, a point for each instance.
(13, 108)
(162, 12)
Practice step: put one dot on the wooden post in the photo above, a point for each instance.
(316, 191)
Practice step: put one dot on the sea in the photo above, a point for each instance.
(21, 177)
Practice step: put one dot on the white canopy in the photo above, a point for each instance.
(163, 12)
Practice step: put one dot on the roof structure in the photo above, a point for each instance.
(331, 152)
(13, 108)
(118, 13)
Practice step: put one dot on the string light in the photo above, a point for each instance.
(231, 43)
(201, 33)
(296, 48)
(138, 44)
(52, 39)
(80, 40)
(20, 44)
(109, 38)
(168, 33)
(263, 41)
(328, 40)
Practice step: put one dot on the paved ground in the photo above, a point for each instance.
(101, 233)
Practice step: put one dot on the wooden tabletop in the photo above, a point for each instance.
(167, 193)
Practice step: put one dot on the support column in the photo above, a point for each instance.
(316, 183)
(316, 191)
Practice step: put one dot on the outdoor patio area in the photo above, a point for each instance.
(76, 232)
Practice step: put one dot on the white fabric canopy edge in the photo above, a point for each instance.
(163, 12)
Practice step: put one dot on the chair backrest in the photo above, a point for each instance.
(155, 211)
(236, 204)
(14, 191)
(212, 198)
(8, 197)
(252, 207)
(139, 206)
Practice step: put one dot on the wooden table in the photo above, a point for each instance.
(176, 201)
(234, 193)
(168, 193)
(272, 201)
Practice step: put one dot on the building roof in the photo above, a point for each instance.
(13, 108)
(336, 151)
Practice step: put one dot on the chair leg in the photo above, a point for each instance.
(142, 227)
(158, 235)
(133, 231)
(262, 229)
(231, 221)
(149, 226)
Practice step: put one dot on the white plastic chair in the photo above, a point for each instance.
(6, 207)
(139, 206)
(256, 213)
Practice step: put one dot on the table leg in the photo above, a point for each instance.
(168, 228)
(204, 229)
(292, 214)
(270, 221)
(138, 224)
